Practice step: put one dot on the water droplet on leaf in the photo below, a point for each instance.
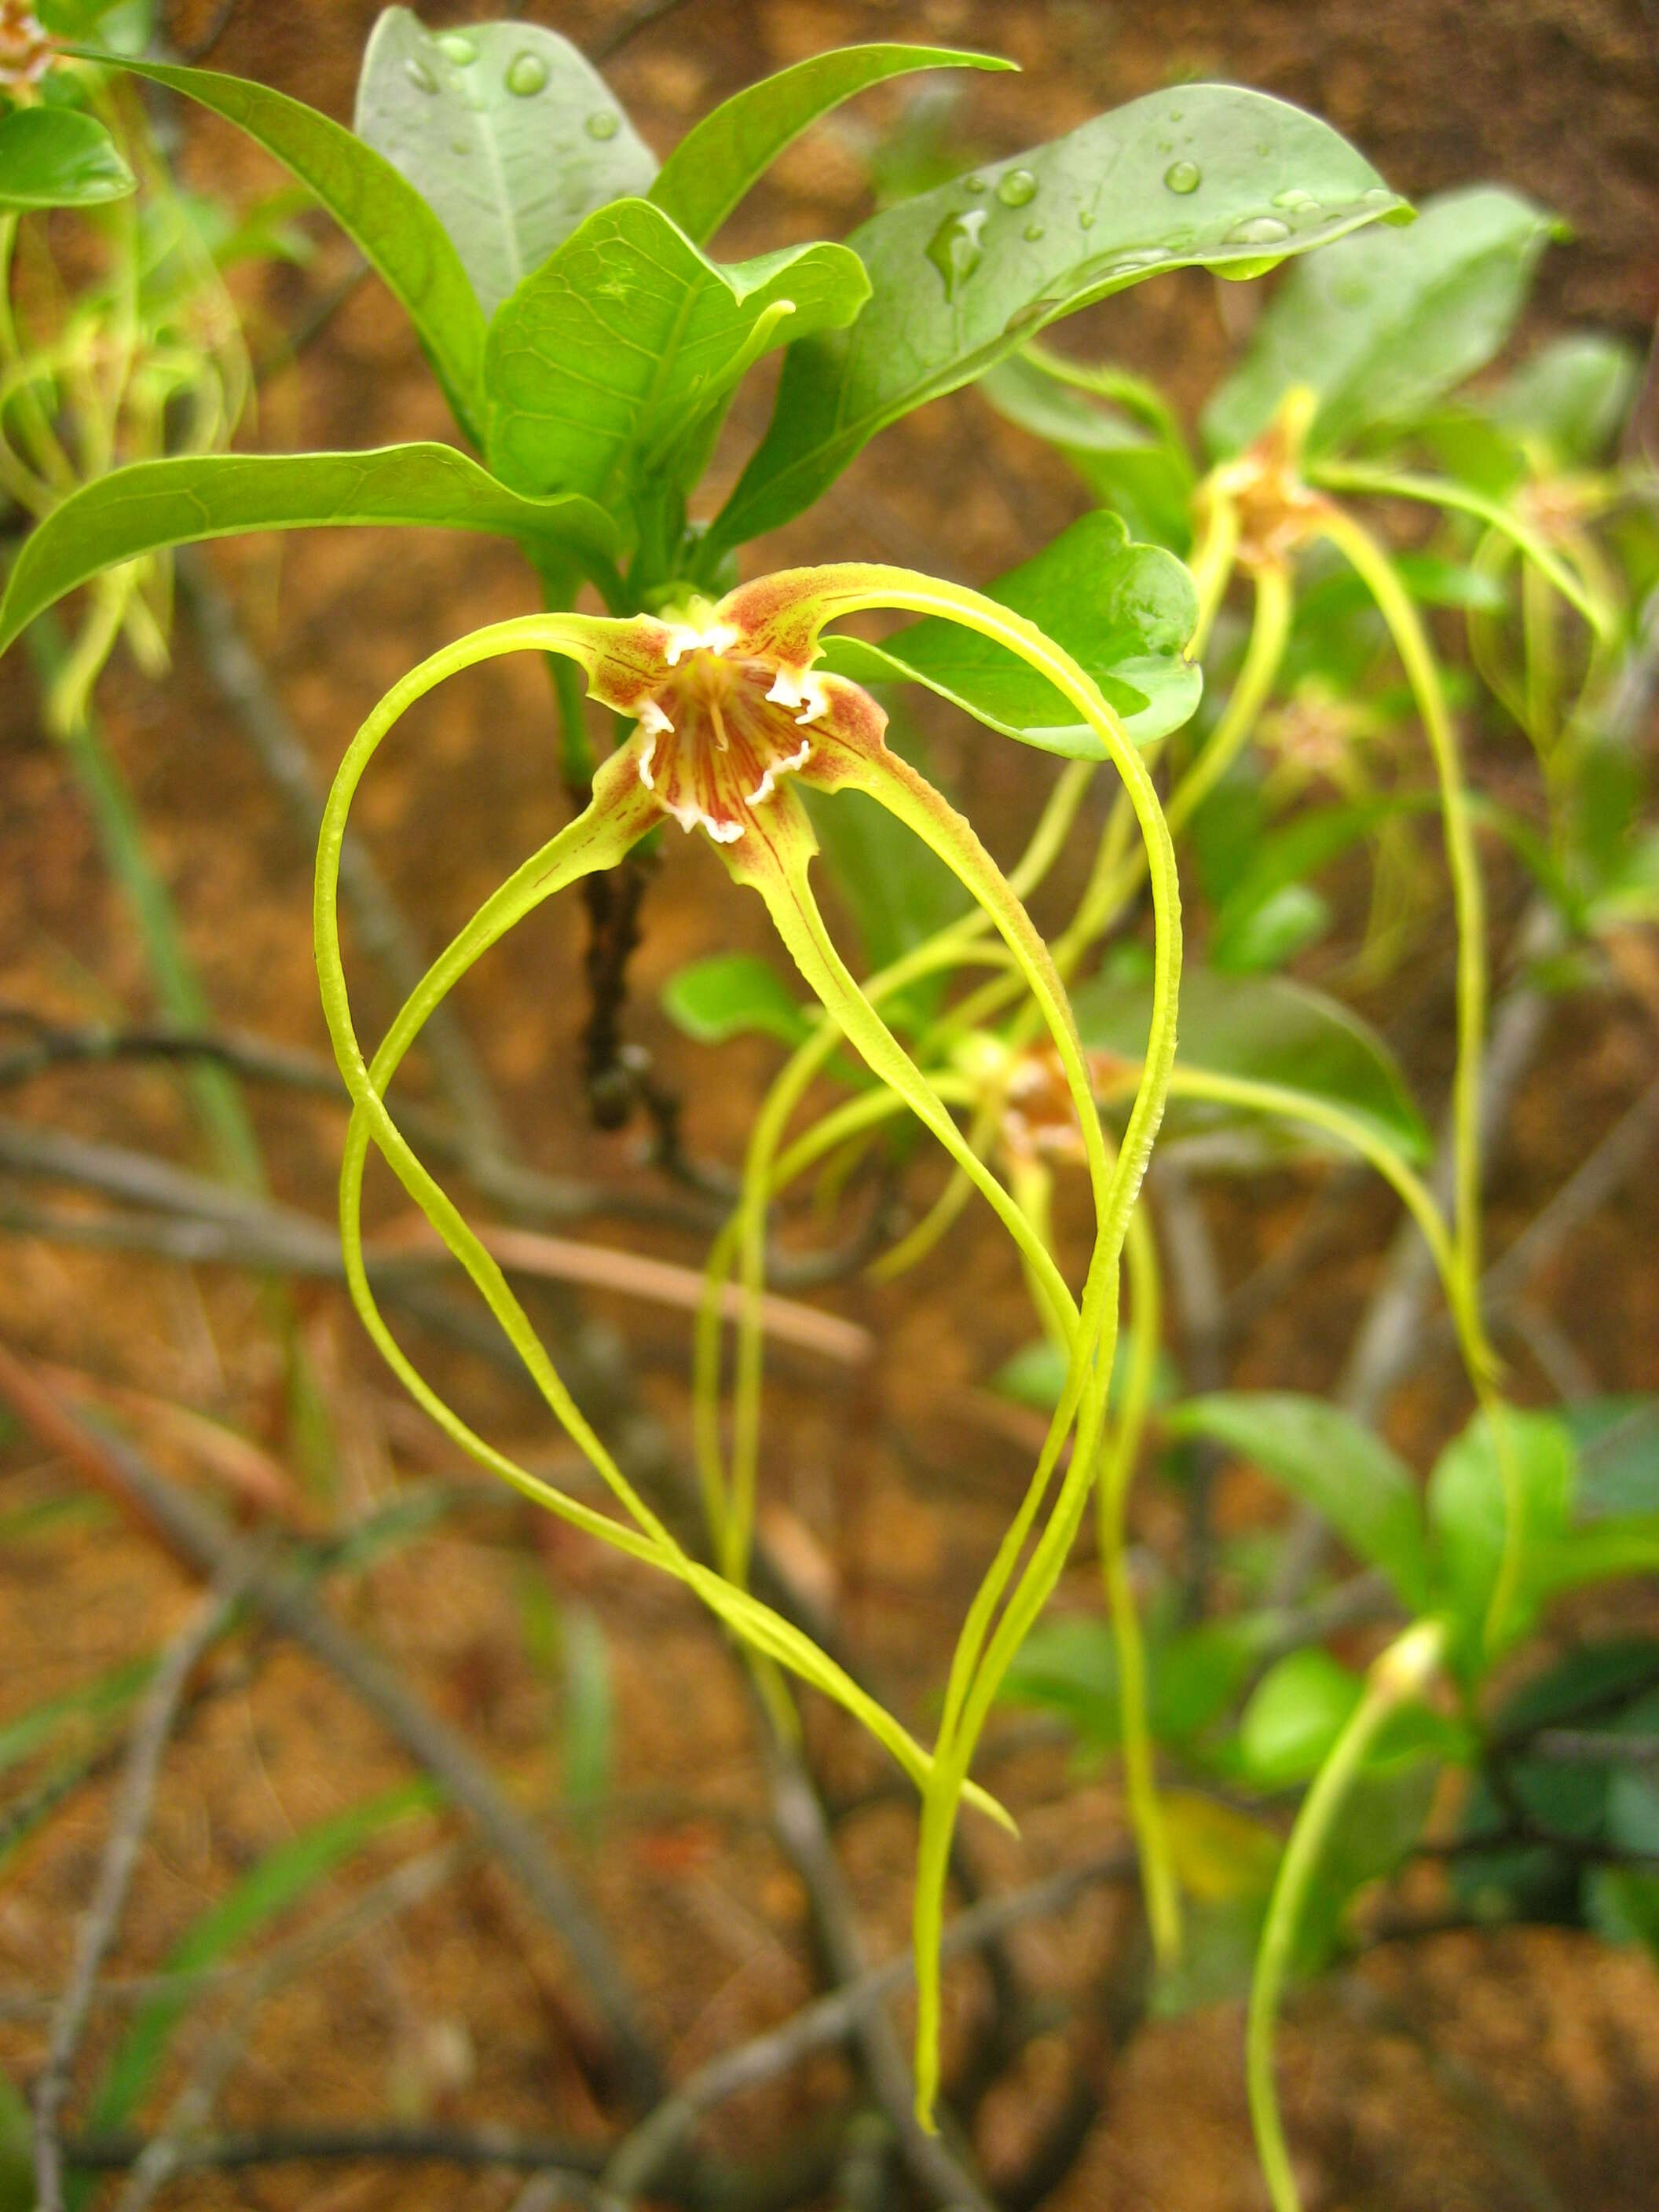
(1086, 218)
(1127, 265)
(1031, 317)
(1183, 176)
(1296, 199)
(1258, 230)
(525, 75)
(457, 47)
(954, 248)
(975, 183)
(603, 123)
(1035, 231)
(1017, 188)
(420, 76)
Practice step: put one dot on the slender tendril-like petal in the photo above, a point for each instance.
(1394, 602)
(1356, 1133)
(1215, 551)
(1118, 1460)
(726, 706)
(1442, 491)
(744, 1241)
(598, 838)
(971, 1689)
(741, 1242)
(1397, 1678)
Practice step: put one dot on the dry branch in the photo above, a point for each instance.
(195, 1534)
(136, 1795)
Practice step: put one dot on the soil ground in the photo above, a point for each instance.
(1462, 2071)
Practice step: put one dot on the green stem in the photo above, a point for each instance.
(51, 463)
(1491, 560)
(1394, 602)
(1542, 664)
(843, 1125)
(1032, 1182)
(1440, 491)
(1270, 630)
(1157, 1873)
(1372, 564)
(1353, 1131)
(748, 1223)
(1101, 380)
(1117, 871)
(1397, 1678)
(731, 1503)
(1215, 550)
(914, 803)
(1083, 1397)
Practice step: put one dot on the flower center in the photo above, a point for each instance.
(720, 731)
(25, 52)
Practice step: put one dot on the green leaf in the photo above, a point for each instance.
(59, 157)
(589, 1732)
(507, 132)
(1633, 1802)
(964, 275)
(117, 28)
(1469, 1513)
(1247, 867)
(1383, 325)
(270, 1887)
(379, 211)
(1266, 1030)
(199, 495)
(1589, 1686)
(1472, 447)
(1295, 1714)
(1602, 1551)
(1436, 582)
(1622, 1906)
(629, 341)
(1196, 1674)
(733, 995)
(1329, 1461)
(1145, 478)
(1379, 1822)
(724, 156)
(1617, 1441)
(23, 1736)
(1260, 938)
(81, 19)
(1124, 611)
(1068, 1666)
(1606, 1688)
(1572, 397)
(1035, 1376)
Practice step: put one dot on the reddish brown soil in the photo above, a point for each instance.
(1461, 2072)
